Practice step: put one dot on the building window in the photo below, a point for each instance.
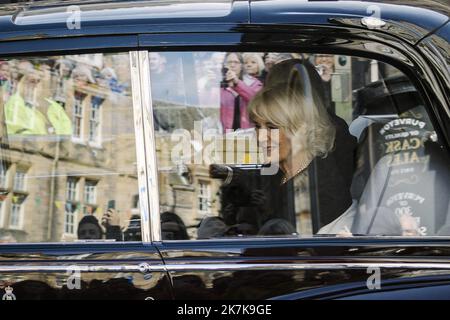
(72, 189)
(78, 115)
(90, 191)
(19, 180)
(203, 197)
(70, 218)
(135, 201)
(94, 120)
(15, 219)
(3, 175)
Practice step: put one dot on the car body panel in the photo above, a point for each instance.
(25, 21)
(436, 50)
(291, 269)
(49, 19)
(409, 23)
(104, 270)
(59, 46)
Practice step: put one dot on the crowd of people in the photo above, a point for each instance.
(89, 228)
(57, 71)
(231, 80)
(222, 80)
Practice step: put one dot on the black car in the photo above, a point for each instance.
(225, 149)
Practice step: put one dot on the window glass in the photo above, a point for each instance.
(67, 154)
(3, 175)
(291, 144)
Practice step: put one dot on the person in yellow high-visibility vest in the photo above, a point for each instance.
(28, 120)
(59, 118)
(24, 120)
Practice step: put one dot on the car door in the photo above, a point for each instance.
(73, 221)
(385, 240)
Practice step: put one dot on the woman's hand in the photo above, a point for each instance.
(110, 218)
(218, 171)
(232, 78)
(229, 214)
(257, 198)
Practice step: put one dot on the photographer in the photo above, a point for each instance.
(111, 222)
(235, 93)
(244, 204)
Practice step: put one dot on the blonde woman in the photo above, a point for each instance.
(311, 142)
(253, 67)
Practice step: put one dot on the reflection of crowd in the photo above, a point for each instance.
(39, 96)
(57, 70)
(89, 227)
(239, 86)
(231, 80)
(183, 84)
(35, 91)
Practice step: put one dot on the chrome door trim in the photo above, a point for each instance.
(304, 266)
(146, 267)
(152, 190)
(136, 90)
(142, 267)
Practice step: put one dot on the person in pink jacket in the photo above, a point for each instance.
(236, 93)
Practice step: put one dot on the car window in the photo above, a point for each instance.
(253, 144)
(68, 156)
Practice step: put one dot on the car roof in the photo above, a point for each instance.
(48, 19)
(410, 20)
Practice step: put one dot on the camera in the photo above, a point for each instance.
(111, 204)
(224, 82)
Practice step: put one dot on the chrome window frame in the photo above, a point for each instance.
(150, 148)
(145, 146)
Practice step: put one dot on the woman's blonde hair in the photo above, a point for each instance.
(295, 106)
(257, 57)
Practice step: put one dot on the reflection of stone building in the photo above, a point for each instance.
(49, 182)
(188, 191)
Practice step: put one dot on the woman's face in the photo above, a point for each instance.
(89, 231)
(64, 70)
(270, 60)
(217, 61)
(327, 60)
(32, 78)
(274, 141)
(4, 72)
(251, 66)
(80, 78)
(157, 62)
(233, 63)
